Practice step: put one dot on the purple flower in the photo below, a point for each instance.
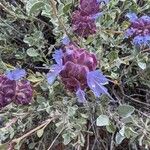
(57, 56)
(24, 92)
(54, 72)
(103, 1)
(96, 80)
(139, 30)
(81, 96)
(132, 17)
(96, 16)
(141, 40)
(7, 91)
(73, 76)
(89, 7)
(78, 72)
(83, 25)
(19, 92)
(16, 74)
(65, 40)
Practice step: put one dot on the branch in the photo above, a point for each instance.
(17, 140)
(54, 8)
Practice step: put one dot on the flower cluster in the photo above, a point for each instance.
(139, 29)
(76, 68)
(83, 19)
(12, 89)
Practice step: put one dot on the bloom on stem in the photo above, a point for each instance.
(83, 19)
(14, 89)
(139, 30)
(7, 90)
(16, 74)
(83, 25)
(78, 72)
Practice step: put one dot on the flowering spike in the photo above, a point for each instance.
(81, 96)
(83, 25)
(16, 74)
(54, 72)
(78, 72)
(139, 30)
(96, 80)
(89, 7)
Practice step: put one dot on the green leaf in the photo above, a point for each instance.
(67, 7)
(125, 110)
(102, 120)
(35, 39)
(119, 138)
(142, 65)
(40, 132)
(66, 138)
(35, 79)
(32, 52)
(34, 6)
(47, 11)
(122, 131)
(113, 55)
(72, 110)
(111, 128)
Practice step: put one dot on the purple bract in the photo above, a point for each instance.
(7, 91)
(139, 30)
(77, 70)
(89, 7)
(19, 92)
(77, 62)
(24, 92)
(83, 25)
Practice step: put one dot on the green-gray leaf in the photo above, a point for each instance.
(66, 138)
(102, 120)
(40, 132)
(119, 138)
(32, 52)
(125, 110)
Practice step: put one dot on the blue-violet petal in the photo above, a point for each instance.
(96, 80)
(81, 96)
(132, 16)
(57, 56)
(54, 72)
(16, 74)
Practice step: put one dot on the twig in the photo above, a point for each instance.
(17, 140)
(56, 138)
(112, 142)
(111, 31)
(142, 113)
(95, 140)
(88, 138)
(133, 99)
(146, 50)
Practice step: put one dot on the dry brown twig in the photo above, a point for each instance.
(43, 125)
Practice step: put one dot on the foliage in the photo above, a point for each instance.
(30, 32)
